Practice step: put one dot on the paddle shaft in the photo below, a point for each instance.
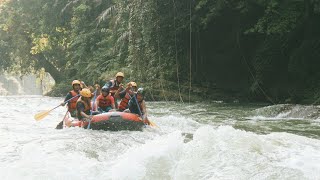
(71, 99)
(54, 108)
(93, 104)
(151, 123)
(42, 115)
(141, 116)
(65, 102)
(135, 98)
(61, 125)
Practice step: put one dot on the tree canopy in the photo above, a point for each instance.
(258, 49)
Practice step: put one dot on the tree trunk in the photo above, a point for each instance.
(49, 67)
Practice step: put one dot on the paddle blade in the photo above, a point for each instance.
(41, 115)
(153, 124)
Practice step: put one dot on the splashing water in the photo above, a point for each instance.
(195, 141)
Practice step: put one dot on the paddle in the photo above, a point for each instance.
(93, 104)
(151, 123)
(60, 125)
(43, 114)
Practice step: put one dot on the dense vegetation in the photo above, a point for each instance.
(264, 50)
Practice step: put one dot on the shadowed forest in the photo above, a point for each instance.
(247, 50)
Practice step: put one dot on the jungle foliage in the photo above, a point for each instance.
(264, 50)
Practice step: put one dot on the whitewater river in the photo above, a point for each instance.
(195, 141)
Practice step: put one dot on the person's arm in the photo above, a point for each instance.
(68, 96)
(127, 90)
(83, 85)
(120, 90)
(80, 108)
(85, 115)
(120, 94)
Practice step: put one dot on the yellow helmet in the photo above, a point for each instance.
(85, 92)
(120, 74)
(75, 82)
(133, 84)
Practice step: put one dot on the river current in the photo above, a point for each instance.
(194, 141)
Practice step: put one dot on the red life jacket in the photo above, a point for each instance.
(124, 102)
(87, 108)
(72, 104)
(104, 101)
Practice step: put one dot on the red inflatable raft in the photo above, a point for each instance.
(111, 121)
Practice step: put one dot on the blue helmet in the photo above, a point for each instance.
(105, 89)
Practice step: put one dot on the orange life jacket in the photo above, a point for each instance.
(104, 101)
(87, 108)
(124, 102)
(72, 104)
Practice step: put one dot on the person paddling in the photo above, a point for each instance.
(137, 105)
(75, 92)
(105, 102)
(125, 95)
(76, 87)
(114, 85)
(84, 105)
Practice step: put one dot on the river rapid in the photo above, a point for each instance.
(194, 141)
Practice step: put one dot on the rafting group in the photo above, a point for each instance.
(99, 106)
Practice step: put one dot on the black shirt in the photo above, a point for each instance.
(81, 108)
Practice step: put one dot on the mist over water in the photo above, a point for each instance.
(25, 85)
(194, 141)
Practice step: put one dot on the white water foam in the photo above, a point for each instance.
(34, 150)
(226, 153)
(153, 160)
